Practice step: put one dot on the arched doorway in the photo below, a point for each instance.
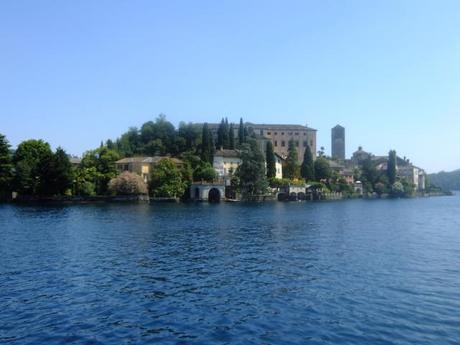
(301, 196)
(214, 195)
(293, 196)
(282, 197)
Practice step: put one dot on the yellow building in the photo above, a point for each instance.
(142, 166)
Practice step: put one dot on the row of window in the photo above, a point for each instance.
(283, 143)
(282, 133)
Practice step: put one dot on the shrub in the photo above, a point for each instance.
(127, 184)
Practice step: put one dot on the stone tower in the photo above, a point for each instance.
(338, 142)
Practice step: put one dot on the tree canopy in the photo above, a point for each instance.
(292, 167)
(166, 180)
(270, 160)
(307, 169)
(251, 172)
(6, 167)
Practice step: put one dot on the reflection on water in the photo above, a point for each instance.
(355, 272)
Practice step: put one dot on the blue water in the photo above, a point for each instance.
(350, 272)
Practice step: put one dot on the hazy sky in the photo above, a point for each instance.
(75, 72)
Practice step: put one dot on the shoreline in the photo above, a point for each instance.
(145, 199)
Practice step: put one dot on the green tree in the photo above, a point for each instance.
(307, 169)
(322, 169)
(391, 167)
(32, 161)
(251, 172)
(397, 189)
(369, 174)
(62, 174)
(231, 139)
(226, 141)
(166, 180)
(103, 160)
(159, 137)
(292, 168)
(6, 167)
(205, 172)
(191, 133)
(220, 135)
(207, 145)
(270, 160)
(129, 143)
(241, 133)
(84, 181)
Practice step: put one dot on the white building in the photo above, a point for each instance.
(226, 162)
(279, 161)
(413, 175)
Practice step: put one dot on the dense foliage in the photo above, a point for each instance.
(98, 168)
(446, 180)
(251, 172)
(322, 170)
(307, 169)
(39, 171)
(292, 167)
(270, 160)
(6, 168)
(166, 180)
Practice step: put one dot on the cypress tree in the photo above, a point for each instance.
(307, 169)
(221, 135)
(270, 160)
(391, 167)
(63, 175)
(226, 135)
(241, 132)
(292, 169)
(231, 139)
(251, 172)
(207, 144)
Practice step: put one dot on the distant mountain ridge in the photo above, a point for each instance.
(446, 180)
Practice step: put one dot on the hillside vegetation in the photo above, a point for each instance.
(446, 180)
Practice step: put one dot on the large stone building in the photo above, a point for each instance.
(338, 142)
(280, 135)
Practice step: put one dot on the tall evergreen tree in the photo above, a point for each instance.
(63, 174)
(292, 168)
(251, 172)
(221, 135)
(231, 139)
(226, 135)
(307, 169)
(270, 160)
(6, 167)
(241, 137)
(391, 167)
(207, 144)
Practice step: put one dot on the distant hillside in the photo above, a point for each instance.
(446, 180)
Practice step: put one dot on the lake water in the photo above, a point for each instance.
(347, 272)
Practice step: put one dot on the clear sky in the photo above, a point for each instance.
(76, 72)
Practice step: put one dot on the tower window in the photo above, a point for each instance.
(283, 144)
